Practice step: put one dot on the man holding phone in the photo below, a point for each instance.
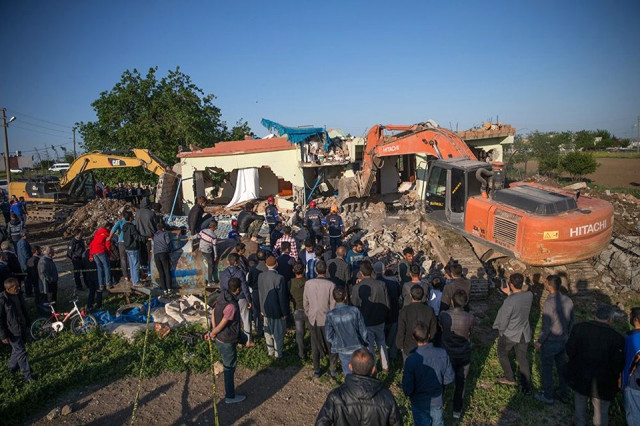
(512, 323)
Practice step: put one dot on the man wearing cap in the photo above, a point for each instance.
(274, 306)
(313, 222)
(596, 359)
(335, 226)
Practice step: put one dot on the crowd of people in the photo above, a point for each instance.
(359, 314)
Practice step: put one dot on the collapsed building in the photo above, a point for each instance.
(302, 163)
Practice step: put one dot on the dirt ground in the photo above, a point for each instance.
(613, 172)
(274, 397)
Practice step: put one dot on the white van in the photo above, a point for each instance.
(59, 167)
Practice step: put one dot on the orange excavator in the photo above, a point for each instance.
(538, 225)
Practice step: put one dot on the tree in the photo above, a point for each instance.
(584, 140)
(544, 147)
(157, 114)
(578, 164)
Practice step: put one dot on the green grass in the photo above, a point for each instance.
(69, 362)
(605, 154)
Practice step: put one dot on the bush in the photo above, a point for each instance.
(578, 164)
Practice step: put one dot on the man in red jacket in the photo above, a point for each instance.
(99, 249)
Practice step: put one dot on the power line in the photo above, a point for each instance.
(21, 114)
(22, 121)
(39, 131)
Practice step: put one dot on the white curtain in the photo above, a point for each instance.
(247, 186)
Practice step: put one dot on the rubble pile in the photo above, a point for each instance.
(620, 264)
(92, 215)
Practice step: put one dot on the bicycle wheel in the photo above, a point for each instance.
(81, 325)
(41, 328)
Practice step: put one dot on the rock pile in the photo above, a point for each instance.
(92, 215)
(620, 264)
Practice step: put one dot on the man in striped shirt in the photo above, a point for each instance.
(287, 237)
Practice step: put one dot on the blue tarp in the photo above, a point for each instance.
(134, 315)
(297, 134)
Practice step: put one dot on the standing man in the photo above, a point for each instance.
(244, 298)
(512, 323)
(313, 222)
(338, 269)
(5, 208)
(296, 291)
(458, 282)
(122, 252)
(75, 251)
(271, 214)
(414, 273)
(196, 216)
(14, 326)
(395, 293)
(287, 237)
(371, 296)
(227, 335)
(99, 249)
(335, 226)
(456, 325)
(405, 264)
(286, 262)
(318, 301)
(274, 306)
(557, 319)
(23, 250)
(631, 372)
(596, 359)
(355, 256)
(145, 223)
(132, 241)
(209, 250)
(410, 315)
(426, 371)
(345, 328)
(361, 399)
(48, 274)
(34, 280)
(249, 222)
(254, 274)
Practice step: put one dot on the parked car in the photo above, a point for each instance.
(59, 167)
(15, 170)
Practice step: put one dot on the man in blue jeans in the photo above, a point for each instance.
(426, 371)
(227, 332)
(345, 329)
(14, 326)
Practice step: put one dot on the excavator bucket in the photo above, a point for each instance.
(166, 192)
(347, 188)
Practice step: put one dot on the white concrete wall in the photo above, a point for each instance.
(495, 144)
(421, 174)
(284, 164)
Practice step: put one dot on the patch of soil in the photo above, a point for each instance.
(274, 397)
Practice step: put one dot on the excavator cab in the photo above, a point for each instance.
(451, 182)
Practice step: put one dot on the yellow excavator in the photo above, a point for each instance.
(78, 183)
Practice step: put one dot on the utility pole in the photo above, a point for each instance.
(637, 142)
(6, 147)
(74, 143)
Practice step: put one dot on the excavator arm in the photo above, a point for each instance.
(423, 138)
(98, 160)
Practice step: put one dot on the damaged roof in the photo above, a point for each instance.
(248, 146)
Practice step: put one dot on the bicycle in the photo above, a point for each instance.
(81, 322)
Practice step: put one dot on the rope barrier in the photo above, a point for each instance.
(211, 359)
(144, 351)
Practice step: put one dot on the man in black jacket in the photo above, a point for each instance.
(371, 296)
(196, 216)
(254, 273)
(249, 222)
(274, 306)
(146, 226)
(133, 243)
(410, 315)
(596, 359)
(14, 325)
(226, 333)
(362, 399)
(75, 251)
(244, 299)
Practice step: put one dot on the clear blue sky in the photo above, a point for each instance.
(546, 65)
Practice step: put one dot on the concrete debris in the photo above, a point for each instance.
(66, 410)
(576, 186)
(54, 414)
(93, 215)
